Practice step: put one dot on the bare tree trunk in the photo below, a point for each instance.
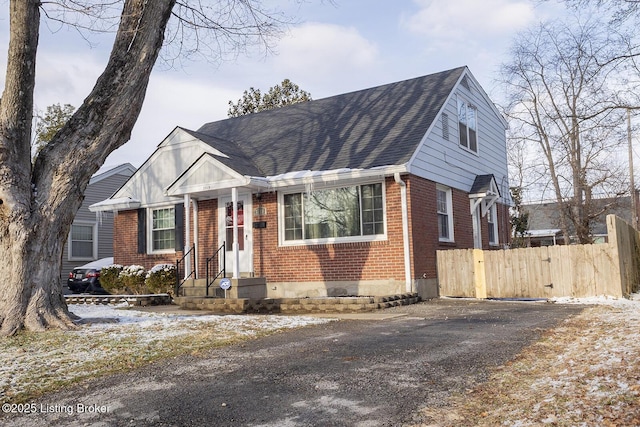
(38, 205)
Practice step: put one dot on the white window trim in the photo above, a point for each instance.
(449, 194)
(149, 233)
(94, 227)
(332, 240)
(493, 222)
(471, 104)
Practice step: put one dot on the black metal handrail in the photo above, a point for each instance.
(220, 253)
(179, 279)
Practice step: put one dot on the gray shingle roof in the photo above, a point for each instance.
(379, 126)
(482, 184)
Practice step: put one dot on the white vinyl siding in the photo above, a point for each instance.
(449, 164)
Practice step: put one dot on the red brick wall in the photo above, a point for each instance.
(125, 243)
(424, 227)
(329, 262)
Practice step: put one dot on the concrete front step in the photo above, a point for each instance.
(296, 305)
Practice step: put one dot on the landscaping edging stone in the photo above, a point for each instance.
(132, 300)
(356, 304)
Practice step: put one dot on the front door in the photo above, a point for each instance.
(245, 233)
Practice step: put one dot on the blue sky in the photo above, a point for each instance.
(336, 47)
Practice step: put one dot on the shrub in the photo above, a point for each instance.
(132, 278)
(161, 279)
(110, 279)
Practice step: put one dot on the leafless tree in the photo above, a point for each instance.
(38, 202)
(569, 85)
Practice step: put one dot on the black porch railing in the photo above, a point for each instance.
(182, 263)
(216, 264)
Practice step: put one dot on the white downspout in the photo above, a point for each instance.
(405, 232)
(187, 241)
(195, 232)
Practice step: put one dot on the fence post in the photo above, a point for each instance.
(479, 275)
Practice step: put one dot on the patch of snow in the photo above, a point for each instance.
(110, 331)
(599, 300)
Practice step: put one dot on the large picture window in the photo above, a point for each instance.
(468, 124)
(163, 232)
(336, 213)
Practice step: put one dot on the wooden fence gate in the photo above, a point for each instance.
(579, 271)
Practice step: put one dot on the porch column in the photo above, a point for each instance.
(187, 239)
(236, 244)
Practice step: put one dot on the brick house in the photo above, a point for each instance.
(347, 195)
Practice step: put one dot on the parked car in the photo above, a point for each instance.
(86, 278)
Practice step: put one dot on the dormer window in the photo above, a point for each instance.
(468, 125)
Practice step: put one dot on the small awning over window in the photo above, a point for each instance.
(484, 193)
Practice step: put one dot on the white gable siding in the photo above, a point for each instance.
(207, 173)
(163, 167)
(448, 163)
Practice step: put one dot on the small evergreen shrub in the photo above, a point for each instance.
(161, 279)
(132, 278)
(110, 279)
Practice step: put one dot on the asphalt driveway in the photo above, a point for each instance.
(344, 373)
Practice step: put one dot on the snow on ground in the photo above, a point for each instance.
(112, 338)
(585, 372)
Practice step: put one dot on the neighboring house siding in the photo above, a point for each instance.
(96, 191)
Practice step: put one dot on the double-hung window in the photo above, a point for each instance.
(82, 242)
(468, 125)
(445, 214)
(345, 213)
(163, 229)
(492, 219)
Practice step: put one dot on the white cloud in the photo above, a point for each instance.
(65, 78)
(324, 52)
(461, 20)
(172, 100)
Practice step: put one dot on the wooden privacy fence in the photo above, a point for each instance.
(578, 271)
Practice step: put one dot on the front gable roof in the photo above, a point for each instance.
(375, 127)
(209, 174)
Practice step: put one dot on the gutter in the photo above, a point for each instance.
(405, 231)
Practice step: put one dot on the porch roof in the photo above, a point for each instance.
(208, 177)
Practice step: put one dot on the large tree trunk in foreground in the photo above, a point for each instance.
(37, 204)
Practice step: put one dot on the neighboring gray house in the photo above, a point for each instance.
(544, 220)
(91, 235)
